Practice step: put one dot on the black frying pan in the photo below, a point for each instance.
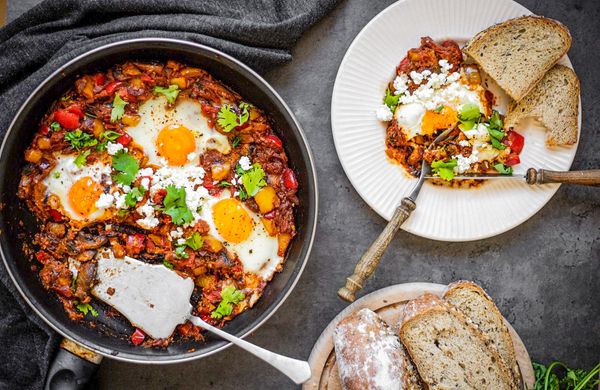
(109, 336)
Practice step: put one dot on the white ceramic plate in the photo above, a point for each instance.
(369, 64)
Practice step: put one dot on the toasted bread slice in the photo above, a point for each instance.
(369, 355)
(554, 101)
(518, 52)
(471, 300)
(449, 351)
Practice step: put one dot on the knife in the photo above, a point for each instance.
(589, 177)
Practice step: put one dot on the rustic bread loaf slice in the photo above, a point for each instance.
(554, 101)
(369, 354)
(471, 300)
(449, 351)
(518, 52)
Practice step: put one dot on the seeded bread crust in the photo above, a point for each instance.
(471, 300)
(369, 355)
(554, 101)
(445, 363)
(518, 52)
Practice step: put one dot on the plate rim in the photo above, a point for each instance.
(553, 188)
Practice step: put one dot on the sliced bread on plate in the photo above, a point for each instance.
(554, 102)
(449, 351)
(518, 52)
(369, 355)
(471, 300)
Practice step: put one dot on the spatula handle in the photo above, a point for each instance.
(370, 260)
(542, 176)
(296, 370)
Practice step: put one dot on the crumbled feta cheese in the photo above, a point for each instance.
(416, 77)
(105, 201)
(180, 241)
(245, 163)
(113, 148)
(191, 156)
(445, 66)
(145, 182)
(146, 209)
(453, 77)
(177, 233)
(400, 84)
(148, 222)
(384, 113)
(120, 201)
(145, 172)
(463, 142)
(464, 163)
(125, 188)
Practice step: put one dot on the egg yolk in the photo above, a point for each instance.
(83, 195)
(174, 143)
(232, 221)
(433, 120)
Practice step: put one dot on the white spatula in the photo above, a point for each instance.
(156, 300)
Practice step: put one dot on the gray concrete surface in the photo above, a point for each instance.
(543, 274)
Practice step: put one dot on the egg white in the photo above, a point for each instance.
(155, 115)
(65, 174)
(258, 253)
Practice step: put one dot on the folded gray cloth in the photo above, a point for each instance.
(258, 32)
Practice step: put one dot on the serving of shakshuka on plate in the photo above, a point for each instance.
(162, 163)
(434, 90)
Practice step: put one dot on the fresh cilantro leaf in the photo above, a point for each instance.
(242, 194)
(224, 184)
(497, 144)
(55, 126)
(87, 308)
(81, 159)
(126, 165)
(391, 100)
(134, 196)
(499, 135)
(79, 140)
(118, 109)
(168, 264)
(56, 175)
(176, 207)
(503, 169)
(439, 109)
(495, 121)
(228, 119)
(170, 93)
(110, 135)
(236, 141)
(444, 170)
(229, 297)
(239, 170)
(101, 146)
(180, 251)
(195, 241)
(254, 179)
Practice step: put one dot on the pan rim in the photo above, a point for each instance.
(314, 201)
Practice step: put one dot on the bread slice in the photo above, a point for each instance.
(369, 354)
(554, 101)
(518, 52)
(471, 300)
(449, 351)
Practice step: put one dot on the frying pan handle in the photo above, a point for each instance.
(72, 367)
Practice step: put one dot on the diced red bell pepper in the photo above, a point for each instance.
(138, 337)
(44, 130)
(274, 140)
(270, 214)
(214, 296)
(515, 141)
(42, 257)
(124, 139)
(99, 79)
(111, 87)
(66, 119)
(512, 159)
(147, 79)
(55, 215)
(289, 179)
(75, 109)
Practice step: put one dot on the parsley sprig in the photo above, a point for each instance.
(134, 196)
(391, 100)
(229, 119)
(194, 241)
(79, 140)
(229, 296)
(170, 93)
(118, 109)
(444, 170)
(252, 180)
(127, 167)
(503, 169)
(86, 308)
(496, 131)
(81, 159)
(176, 207)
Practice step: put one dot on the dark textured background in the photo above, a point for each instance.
(543, 274)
